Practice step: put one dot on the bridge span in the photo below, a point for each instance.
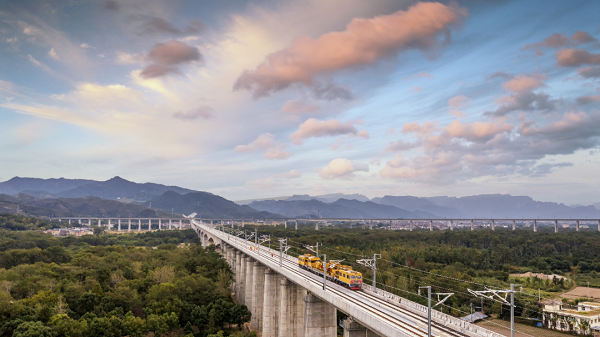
(287, 301)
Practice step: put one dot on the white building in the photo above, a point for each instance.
(584, 320)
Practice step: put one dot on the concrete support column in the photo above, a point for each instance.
(119, 225)
(69, 221)
(170, 224)
(242, 279)
(534, 226)
(149, 224)
(180, 224)
(272, 305)
(370, 224)
(599, 225)
(108, 225)
(410, 226)
(80, 221)
(99, 222)
(297, 225)
(286, 322)
(353, 329)
(238, 267)
(299, 311)
(139, 225)
(249, 284)
(472, 225)
(319, 318)
(90, 222)
(285, 224)
(493, 225)
(129, 225)
(514, 225)
(258, 295)
(316, 225)
(243, 223)
(556, 226)
(451, 225)
(577, 226)
(431, 225)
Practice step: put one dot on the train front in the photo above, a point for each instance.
(356, 281)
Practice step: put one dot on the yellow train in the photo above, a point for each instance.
(336, 272)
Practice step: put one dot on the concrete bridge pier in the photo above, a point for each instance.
(410, 226)
(129, 225)
(69, 221)
(316, 225)
(287, 319)
(119, 225)
(577, 228)
(90, 222)
(80, 221)
(431, 225)
(297, 225)
(493, 225)
(242, 279)
(599, 225)
(354, 329)
(249, 284)
(319, 318)
(238, 263)
(514, 225)
(271, 304)
(556, 226)
(534, 226)
(140, 226)
(180, 224)
(472, 225)
(451, 225)
(170, 224)
(258, 295)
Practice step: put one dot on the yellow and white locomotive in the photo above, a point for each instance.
(336, 272)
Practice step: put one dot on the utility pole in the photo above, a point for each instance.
(429, 310)
(280, 253)
(512, 309)
(371, 263)
(256, 239)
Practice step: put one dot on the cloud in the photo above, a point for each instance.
(85, 46)
(522, 97)
(576, 57)
(363, 42)
(265, 142)
(156, 25)
(462, 151)
(416, 89)
(167, 57)
(582, 100)
(292, 174)
(298, 107)
(419, 75)
(400, 146)
(460, 101)
(8, 88)
(522, 83)
(342, 168)
(556, 41)
(52, 53)
(499, 74)
(589, 72)
(126, 58)
(204, 112)
(333, 127)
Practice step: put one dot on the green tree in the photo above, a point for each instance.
(240, 314)
(33, 329)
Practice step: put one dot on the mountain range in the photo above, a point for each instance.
(88, 197)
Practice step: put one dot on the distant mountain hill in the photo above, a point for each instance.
(119, 188)
(508, 206)
(67, 207)
(328, 197)
(206, 205)
(342, 208)
(416, 204)
(17, 185)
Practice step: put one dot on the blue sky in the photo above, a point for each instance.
(253, 99)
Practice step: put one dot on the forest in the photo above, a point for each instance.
(148, 284)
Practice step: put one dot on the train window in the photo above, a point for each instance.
(358, 277)
(353, 277)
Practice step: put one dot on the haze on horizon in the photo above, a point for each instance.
(251, 99)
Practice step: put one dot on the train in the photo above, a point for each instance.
(336, 272)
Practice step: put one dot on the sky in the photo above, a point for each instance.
(254, 99)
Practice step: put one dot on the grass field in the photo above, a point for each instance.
(594, 293)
